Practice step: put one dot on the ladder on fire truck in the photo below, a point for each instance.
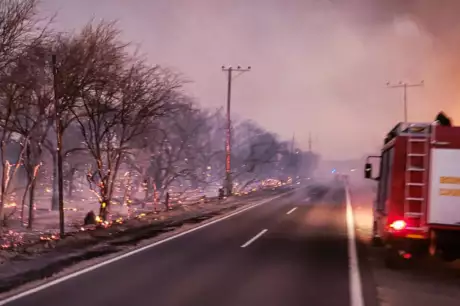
(415, 193)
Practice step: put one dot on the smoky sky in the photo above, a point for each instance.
(318, 67)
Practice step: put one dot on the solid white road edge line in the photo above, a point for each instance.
(104, 263)
(356, 292)
(254, 238)
(291, 211)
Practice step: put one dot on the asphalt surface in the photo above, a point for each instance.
(300, 258)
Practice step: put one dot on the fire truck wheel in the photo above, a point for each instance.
(393, 260)
(376, 240)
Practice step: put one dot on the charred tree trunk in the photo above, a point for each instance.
(3, 187)
(112, 177)
(55, 198)
(31, 203)
(103, 209)
(30, 178)
(146, 189)
(105, 201)
(23, 204)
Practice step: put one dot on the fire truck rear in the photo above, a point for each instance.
(417, 209)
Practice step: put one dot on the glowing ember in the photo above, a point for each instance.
(13, 204)
(49, 238)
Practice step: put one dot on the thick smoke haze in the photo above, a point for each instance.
(318, 66)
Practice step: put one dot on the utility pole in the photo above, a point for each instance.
(228, 171)
(309, 142)
(405, 86)
(58, 122)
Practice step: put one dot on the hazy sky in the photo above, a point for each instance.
(318, 66)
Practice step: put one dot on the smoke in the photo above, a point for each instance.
(319, 66)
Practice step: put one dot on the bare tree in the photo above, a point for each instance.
(27, 101)
(78, 63)
(171, 158)
(18, 31)
(209, 150)
(8, 110)
(33, 115)
(111, 114)
(255, 153)
(186, 152)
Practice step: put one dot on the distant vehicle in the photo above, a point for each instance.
(417, 209)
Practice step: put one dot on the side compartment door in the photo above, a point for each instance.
(444, 198)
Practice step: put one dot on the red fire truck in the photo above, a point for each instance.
(417, 208)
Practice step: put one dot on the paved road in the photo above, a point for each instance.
(298, 258)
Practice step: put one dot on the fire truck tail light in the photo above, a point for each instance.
(407, 256)
(398, 225)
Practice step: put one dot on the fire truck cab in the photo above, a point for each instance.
(417, 206)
